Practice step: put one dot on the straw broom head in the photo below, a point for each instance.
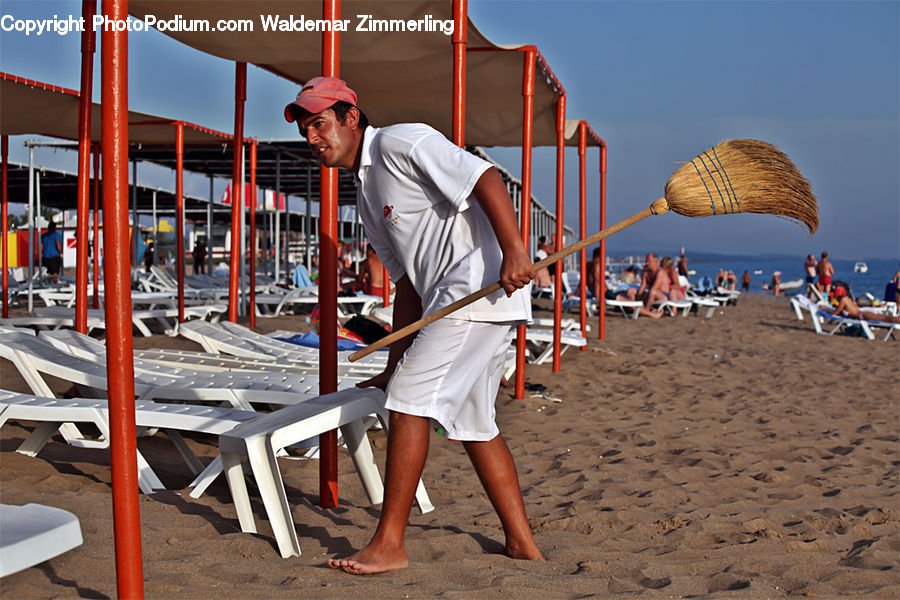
(742, 176)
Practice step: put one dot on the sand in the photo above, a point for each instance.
(742, 456)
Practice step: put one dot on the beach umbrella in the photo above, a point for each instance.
(736, 176)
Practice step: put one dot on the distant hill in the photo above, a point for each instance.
(709, 257)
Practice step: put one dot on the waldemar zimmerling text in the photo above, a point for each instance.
(290, 23)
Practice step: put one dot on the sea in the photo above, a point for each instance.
(879, 273)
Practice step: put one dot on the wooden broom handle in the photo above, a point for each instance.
(657, 208)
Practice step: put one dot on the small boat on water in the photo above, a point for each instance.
(793, 284)
(860, 267)
(757, 272)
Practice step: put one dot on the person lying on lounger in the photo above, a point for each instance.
(847, 307)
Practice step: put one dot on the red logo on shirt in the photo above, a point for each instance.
(387, 210)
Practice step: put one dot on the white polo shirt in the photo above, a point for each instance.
(415, 199)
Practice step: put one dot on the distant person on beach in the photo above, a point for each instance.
(676, 292)
(892, 289)
(775, 286)
(148, 257)
(731, 278)
(51, 251)
(811, 268)
(595, 273)
(847, 307)
(682, 265)
(370, 279)
(745, 281)
(542, 277)
(722, 279)
(683, 268)
(826, 272)
(443, 224)
(628, 275)
(199, 256)
(654, 287)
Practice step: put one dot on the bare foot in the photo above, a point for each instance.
(529, 552)
(371, 560)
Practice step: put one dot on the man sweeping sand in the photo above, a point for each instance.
(443, 224)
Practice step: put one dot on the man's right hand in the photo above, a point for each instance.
(380, 381)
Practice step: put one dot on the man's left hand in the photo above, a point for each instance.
(516, 271)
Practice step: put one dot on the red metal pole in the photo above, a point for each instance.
(252, 241)
(601, 301)
(560, 231)
(240, 95)
(386, 287)
(4, 182)
(528, 72)
(460, 22)
(179, 216)
(96, 277)
(331, 67)
(88, 7)
(117, 275)
(582, 224)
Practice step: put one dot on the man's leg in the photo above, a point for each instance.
(406, 454)
(495, 467)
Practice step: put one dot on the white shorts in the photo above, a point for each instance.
(451, 374)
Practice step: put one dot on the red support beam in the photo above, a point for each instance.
(240, 95)
(328, 283)
(117, 277)
(460, 22)
(582, 224)
(88, 7)
(252, 241)
(4, 223)
(386, 287)
(601, 301)
(179, 216)
(96, 278)
(560, 231)
(528, 73)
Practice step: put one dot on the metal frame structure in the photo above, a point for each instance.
(114, 52)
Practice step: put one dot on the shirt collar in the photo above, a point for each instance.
(365, 157)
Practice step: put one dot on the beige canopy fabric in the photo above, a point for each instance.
(32, 107)
(400, 76)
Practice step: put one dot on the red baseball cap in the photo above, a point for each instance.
(320, 93)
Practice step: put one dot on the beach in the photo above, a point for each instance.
(741, 456)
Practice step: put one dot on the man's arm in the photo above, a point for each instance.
(516, 271)
(407, 309)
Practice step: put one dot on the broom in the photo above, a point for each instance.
(735, 176)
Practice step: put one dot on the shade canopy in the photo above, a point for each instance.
(400, 76)
(36, 108)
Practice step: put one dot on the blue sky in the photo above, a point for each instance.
(659, 81)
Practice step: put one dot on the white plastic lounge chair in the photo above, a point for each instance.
(565, 324)
(166, 317)
(204, 361)
(50, 322)
(34, 533)
(230, 338)
(674, 306)
(818, 317)
(702, 303)
(259, 440)
(540, 343)
(622, 305)
(33, 356)
(52, 414)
